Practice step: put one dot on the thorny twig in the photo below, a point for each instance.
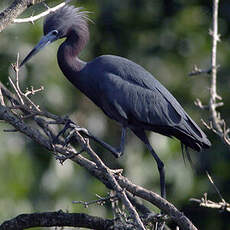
(18, 90)
(100, 201)
(197, 71)
(217, 124)
(204, 202)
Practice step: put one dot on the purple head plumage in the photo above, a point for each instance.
(60, 24)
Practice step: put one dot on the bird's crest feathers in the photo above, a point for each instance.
(66, 17)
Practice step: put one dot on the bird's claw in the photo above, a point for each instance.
(117, 153)
(117, 171)
(74, 128)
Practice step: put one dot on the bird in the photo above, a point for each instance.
(124, 90)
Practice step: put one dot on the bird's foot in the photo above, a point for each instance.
(159, 220)
(73, 128)
(117, 152)
(117, 171)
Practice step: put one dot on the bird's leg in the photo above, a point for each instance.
(122, 143)
(67, 126)
(161, 170)
(116, 152)
(71, 125)
(141, 134)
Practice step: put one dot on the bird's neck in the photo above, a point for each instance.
(68, 53)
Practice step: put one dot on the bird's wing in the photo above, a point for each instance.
(132, 94)
(138, 103)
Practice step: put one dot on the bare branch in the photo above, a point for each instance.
(110, 178)
(155, 199)
(8, 15)
(217, 124)
(99, 201)
(204, 202)
(32, 19)
(215, 187)
(53, 219)
(213, 93)
(197, 71)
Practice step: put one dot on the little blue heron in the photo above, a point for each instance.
(124, 90)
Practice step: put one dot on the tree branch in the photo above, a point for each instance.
(8, 15)
(95, 166)
(213, 93)
(60, 219)
(32, 19)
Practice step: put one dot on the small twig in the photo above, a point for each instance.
(70, 156)
(32, 19)
(1, 97)
(99, 201)
(199, 104)
(204, 202)
(33, 91)
(45, 5)
(10, 130)
(215, 187)
(197, 71)
(17, 89)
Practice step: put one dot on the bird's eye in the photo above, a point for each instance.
(54, 32)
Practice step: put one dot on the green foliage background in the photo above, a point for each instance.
(167, 38)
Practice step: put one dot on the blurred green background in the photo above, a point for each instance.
(167, 38)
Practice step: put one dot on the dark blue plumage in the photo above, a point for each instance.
(124, 90)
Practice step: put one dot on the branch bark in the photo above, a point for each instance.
(32, 19)
(60, 219)
(213, 92)
(8, 15)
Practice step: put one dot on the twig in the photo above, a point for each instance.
(10, 130)
(217, 124)
(204, 202)
(32, 19)
(213, 93)
(8, 15)
(99, 201)
(197, 71)
(215, 187)
(33, 91)
(1, 97)
(18, 90)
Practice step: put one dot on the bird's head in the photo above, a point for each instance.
(65, 22)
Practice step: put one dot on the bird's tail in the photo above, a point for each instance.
(192, 136)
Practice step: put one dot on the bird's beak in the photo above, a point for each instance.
(45, 40)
